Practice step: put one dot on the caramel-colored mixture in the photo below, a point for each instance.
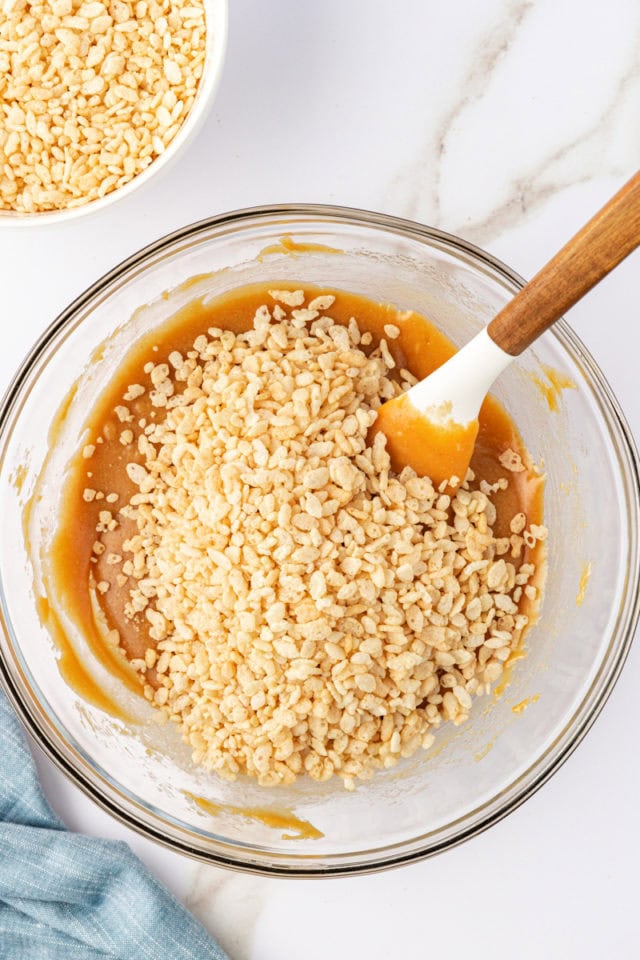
(440, 451)
(279, 819)
(92, 544)
(552, 387)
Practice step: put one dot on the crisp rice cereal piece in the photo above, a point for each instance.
(322, 302)
(512, 461)
(291, 298)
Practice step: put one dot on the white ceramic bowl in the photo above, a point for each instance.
(217, 25)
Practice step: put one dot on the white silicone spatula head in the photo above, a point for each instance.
(434, 425)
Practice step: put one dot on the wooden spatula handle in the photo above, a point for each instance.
(602, 243)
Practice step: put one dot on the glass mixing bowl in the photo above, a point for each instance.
(474, 774)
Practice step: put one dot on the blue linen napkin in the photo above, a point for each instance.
(63, 895)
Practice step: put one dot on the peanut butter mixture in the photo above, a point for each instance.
(294, 604)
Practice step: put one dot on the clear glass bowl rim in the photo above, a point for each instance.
(575, 730)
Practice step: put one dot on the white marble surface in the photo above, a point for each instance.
(508, 122)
